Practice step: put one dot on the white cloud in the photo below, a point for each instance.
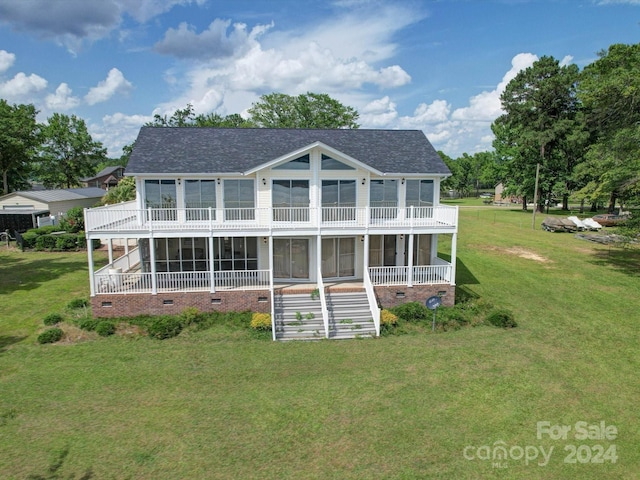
(21, 86)
(378, 113)
(212, 43)
(566, 60)
(6, 60)
(486, 106)
(118, 130)
(62, 99)
(114, 83)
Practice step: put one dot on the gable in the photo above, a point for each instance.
(165, 150)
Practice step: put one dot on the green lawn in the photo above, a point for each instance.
(223, 404)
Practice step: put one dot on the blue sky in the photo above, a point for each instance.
(438, 66)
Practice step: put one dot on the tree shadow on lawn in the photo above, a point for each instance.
(23, 274)
(6, 341)
(624, 260)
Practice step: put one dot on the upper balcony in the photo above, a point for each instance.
(127, 220)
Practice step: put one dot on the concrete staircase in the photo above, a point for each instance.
(349, 315)
(298, 317)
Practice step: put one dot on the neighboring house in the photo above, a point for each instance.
(316, 227)
(500, 199)
(20, 210)
(106, 178)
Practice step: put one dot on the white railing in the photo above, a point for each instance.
(421, 274)
(121, 217)
(373, 302)
(183, 281)
(242, 280)
(111, 281)
(134, 282)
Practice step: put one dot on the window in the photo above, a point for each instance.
(235, 253)
(290, 200)
(181, 254)
(421, 249)
(160, 195)
(383, 199)
(338, 257)
(239, 200)
(329, 163)
(300, 163)
(338, 200)
(199, 196)
(419, 195)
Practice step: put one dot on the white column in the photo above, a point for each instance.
(454, 241)
(410, 261)
(211, 266)
(365, 259)
(92, 280)
(152, 261)
(110, 245)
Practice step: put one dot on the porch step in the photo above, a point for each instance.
(350, 315)
(298, 317)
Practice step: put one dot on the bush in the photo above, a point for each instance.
(52, 319)
(73, 220)
(164, 327)
(78, 303)
(387, 318)
(67, 241)
(29, 239)
(502, 318)
(411, 311)
(261, 321)
(51, 335)
(45, 242)
(104, 328)
(191, 315)
(88, 324)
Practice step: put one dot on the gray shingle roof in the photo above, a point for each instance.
(166, 150)
(48, 196)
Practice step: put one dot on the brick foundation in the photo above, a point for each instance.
(389, 297)
(175, 303)
(109, 306)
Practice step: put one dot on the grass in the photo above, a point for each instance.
(221, 403)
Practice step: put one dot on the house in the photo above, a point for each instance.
(316, 227)
(106, 178)
(21, 211)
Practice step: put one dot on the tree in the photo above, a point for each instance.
(18, 138)
(188, 118)
(67, 153)
(123, 192)
(609, 89)
(310, 110)
(540, 126)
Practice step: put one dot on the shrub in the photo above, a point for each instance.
(164, 327)
(29, 239)
(52, 319)
(411, 311)
(502, 318)
(78, 303)
(51, 335)
(388, 318)
(191, 315)
(66, 241)
(46, 230)
(45, 242)
(104, 328)
(88, 324)
(73, 220)
(261, 321)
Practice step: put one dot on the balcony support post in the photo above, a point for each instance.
(211, 265)
(410, 261)
(152, 258)
(454, 241)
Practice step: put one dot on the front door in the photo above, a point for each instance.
(291, 258)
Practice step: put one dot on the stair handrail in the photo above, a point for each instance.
(323, 303)
(373, 303)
